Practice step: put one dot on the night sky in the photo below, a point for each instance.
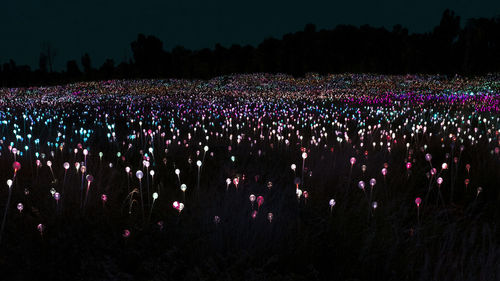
(106, 28)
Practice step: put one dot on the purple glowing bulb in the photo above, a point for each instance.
(361, 185)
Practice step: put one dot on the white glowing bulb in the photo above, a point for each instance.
(332, 202)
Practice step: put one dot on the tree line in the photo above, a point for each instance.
(450, 49)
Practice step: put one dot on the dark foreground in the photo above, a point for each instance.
(417, 137)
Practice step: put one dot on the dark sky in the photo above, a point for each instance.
(105, 28)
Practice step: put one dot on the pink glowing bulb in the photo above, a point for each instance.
(40, 228)
(126, 233)
(57, 196)
(444, 166)
(467, 167)
(439, 180)
(418, 201)
(270, 217)
(384, 172)
(260, 201)
(352, 160)
(408, 165)
(306, 194)
(104, 198)
(252, 198)
(373, 182)
(304, 155)
(16, 166)
(433, 171)
(20, 207)
(217, 219)
(466, 182)
(66, 165)
(254, 214)
(175, 205)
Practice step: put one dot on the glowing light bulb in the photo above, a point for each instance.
(418, 201)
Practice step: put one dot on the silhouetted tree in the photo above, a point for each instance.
(86, 63)
(149, 56)
(108, 68)
(42, 63)
(72, 69)
(444, 38)
(480, 42)
(448, 49)
(50, 53)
